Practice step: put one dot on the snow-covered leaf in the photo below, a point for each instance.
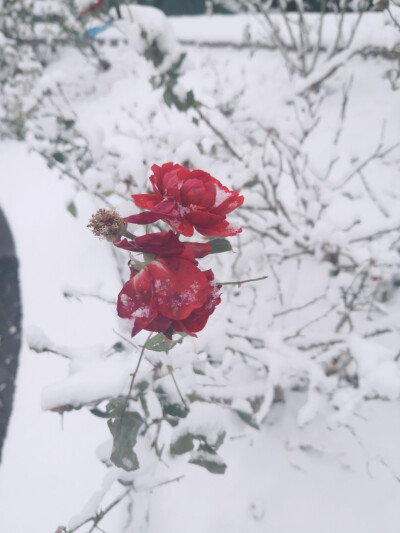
(124, 430)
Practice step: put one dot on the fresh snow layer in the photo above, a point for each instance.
(326, 459)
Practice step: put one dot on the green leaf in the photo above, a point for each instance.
(247, 418)
(116, 406)
(190, 100)
(183, 444)
(198, 368)
(160, 343)
(174, 409)
(59, 157)
(71, 207)
(220, 245)
(396, 280)
(220, 440)
(119, 347)
(125, 430)
(141, 386)
(98, 412)
(67, 123)
(227, 111)
(251, 183)
(210, 461)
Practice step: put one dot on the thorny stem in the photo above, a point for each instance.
(373, 196)
(396, 23)
(116, 4)
(219, 135)
(349, 306)
(355, 27)
(372, 236)
(313, 321)
(300, 307)
(283, 11)
(345, 100)
(318, 45)
(171, 373)
(302, 36)
(282, 46)
(98, 517)
(339, 30)
(80, 183)
(125, 339)
(70, 294)
(134, 373)
(239, 283)
(378, 154)
(52, 350)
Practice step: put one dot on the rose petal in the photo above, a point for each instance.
(163, 244)
(147, 217)
(212, 225)
(198, 192)
(136, 301)
(232, 201)
(197, 320)
(147, 201)
(181, 226)
(195, 249)
(223, 229)
(179, 287)
(165, 209)
(160, 323)
(168, 179)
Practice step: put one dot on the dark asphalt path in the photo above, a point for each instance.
(10, 324)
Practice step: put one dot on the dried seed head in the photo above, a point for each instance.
(107, 224)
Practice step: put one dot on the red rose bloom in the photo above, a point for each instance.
(188, 200)
(170, 294)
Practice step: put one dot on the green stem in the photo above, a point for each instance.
(128, 235)
(171, 372)
(135, 372)
(240, 282)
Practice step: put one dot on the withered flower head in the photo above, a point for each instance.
(107, 224)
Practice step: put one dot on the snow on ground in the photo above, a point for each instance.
(43, 477)
(325, 459)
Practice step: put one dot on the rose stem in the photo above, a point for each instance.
(171, 372)
(240, 282)
(135, 372)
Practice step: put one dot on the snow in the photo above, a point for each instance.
(93, 382)
(39, 448)
(37, 340)
(325, 456)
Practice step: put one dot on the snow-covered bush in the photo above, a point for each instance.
(291, 133)
(31, 33)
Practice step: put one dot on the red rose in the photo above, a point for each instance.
(169, 294)
(188, 200)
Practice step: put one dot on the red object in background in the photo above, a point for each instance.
(92, 7)
(188, 200)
